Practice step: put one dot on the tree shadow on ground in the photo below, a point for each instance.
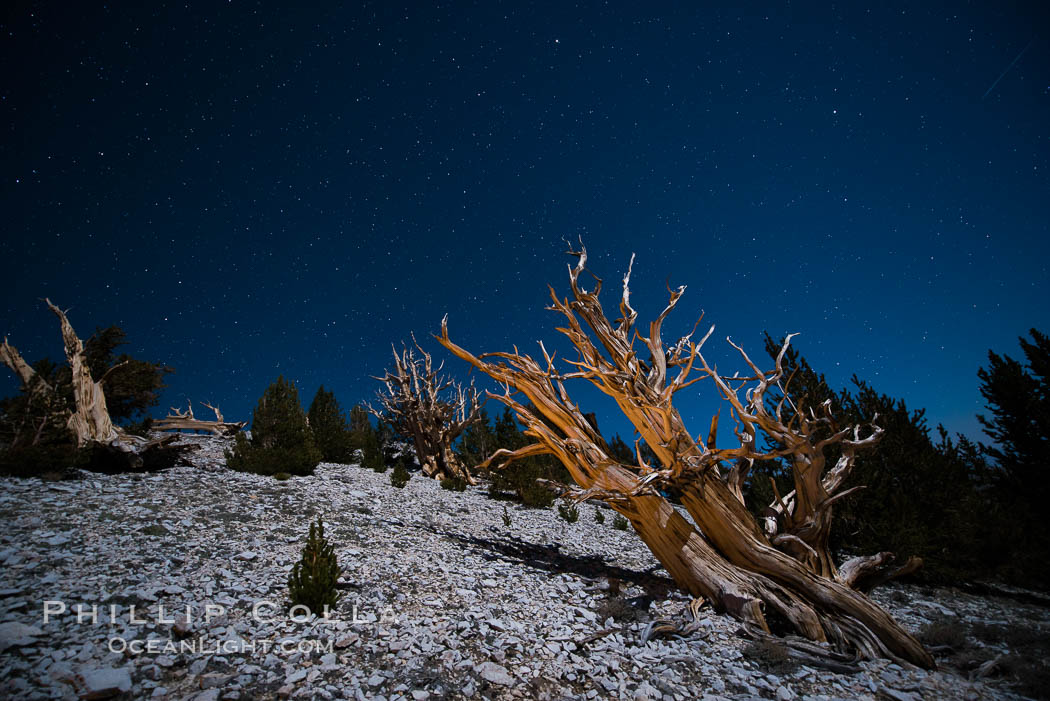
(549, 558)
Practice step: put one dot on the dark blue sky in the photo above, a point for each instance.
(250, 189)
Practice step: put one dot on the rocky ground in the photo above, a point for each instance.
(441, 599)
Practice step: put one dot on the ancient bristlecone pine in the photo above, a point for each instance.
(433, 410)
(776, 574)
(112, 448)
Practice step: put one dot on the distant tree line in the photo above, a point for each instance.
(970, 510)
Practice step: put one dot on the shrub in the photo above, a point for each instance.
(599, 517)
(400, 476)
(620, 523)
(313, 579)
(281, 439)
(38, 460)
(455, 484)
(944, 633)
(569, 512)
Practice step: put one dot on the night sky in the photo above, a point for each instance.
(250, 189)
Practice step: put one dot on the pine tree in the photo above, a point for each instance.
(34, 438)
(478, 441)
(133, 386)
(810, 389)
(919, 495)
(400, 476)
(1018, 398)
(621, 451)
(360, 427)
(520, 476)
(313, 580)
(373, 457)
(329, 427)
(281, 439)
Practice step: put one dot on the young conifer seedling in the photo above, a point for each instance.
(313, 579)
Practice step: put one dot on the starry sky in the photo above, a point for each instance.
(254, 189)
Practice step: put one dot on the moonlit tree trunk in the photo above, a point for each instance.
(780, 573)
(112, 448)
(433, 410)
(177, 420)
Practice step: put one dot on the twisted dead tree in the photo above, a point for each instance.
(433, 410)
(177, 420)
(111, 448)
(776, 576)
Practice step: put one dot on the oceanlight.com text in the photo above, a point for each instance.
(200, 646)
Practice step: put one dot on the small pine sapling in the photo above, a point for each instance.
(620, 523)
(313, 579)
(569, 513)
(599, 517)
(506, 516)
(455, 484)
(400, 476)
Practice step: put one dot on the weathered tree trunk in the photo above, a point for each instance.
(185, 421)
(417, 404)
(110, 448)
(45, 409)
(782, 575)
(90, 421)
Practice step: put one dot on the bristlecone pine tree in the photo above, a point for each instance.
(313, 579)
(71, 404)
(329, 427)
(775, 575)
(430, 409)
(281, 439)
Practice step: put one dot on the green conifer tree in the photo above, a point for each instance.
(1018, 397)
(621, 451)
(313, 579)
(281, 440)
(372, 457)
(478, 441)
(329, 427)
(1018, 479)
(360, 427)
(400, 476)
(520, 476)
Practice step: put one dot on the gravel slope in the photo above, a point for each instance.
(450, 602)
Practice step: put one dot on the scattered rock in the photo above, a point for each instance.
(15, 634)
(104, 683)
(434, 604)
(295, 677)
(494, 673)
